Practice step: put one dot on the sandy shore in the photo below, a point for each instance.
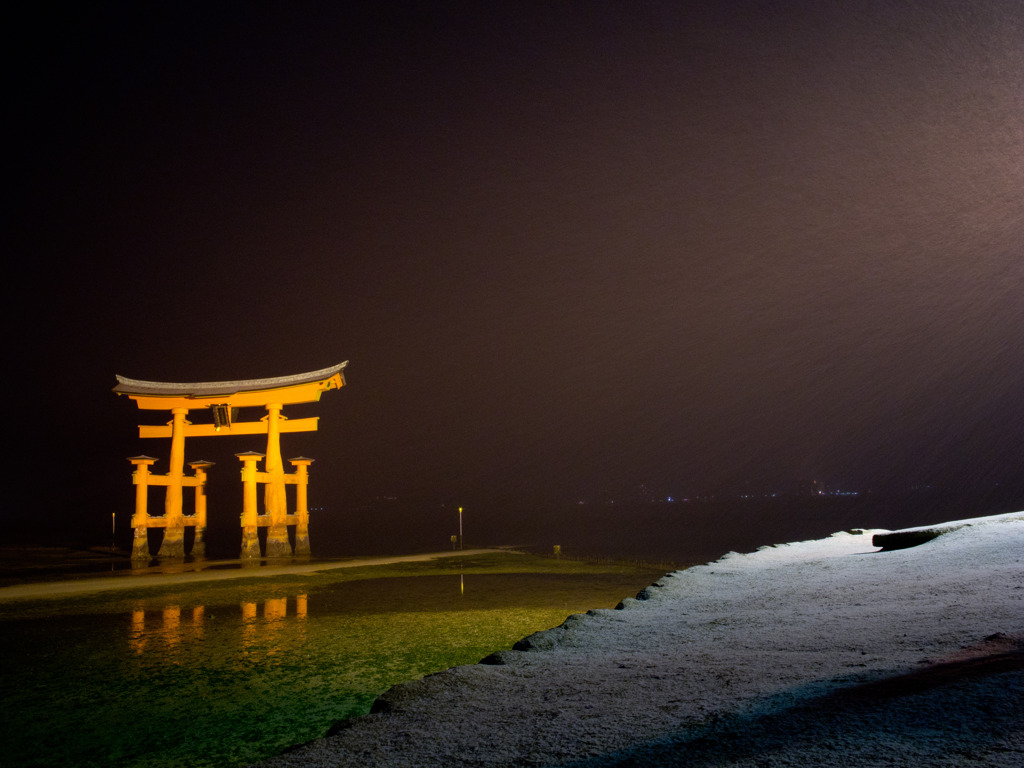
(826, 652)
(202, 571)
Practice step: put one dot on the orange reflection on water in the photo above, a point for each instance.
(172, 625)
(198, 616)
(258, 634)
(249, 612)
(275, 609)
(170, 630)
(137, 637)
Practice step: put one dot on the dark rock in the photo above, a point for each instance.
(498, 658)
(907, 539)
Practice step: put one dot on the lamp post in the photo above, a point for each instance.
(460, 529)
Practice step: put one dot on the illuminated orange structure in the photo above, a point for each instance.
(223, 399)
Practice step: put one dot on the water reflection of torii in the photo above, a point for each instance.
(223, 399)
(171, 631)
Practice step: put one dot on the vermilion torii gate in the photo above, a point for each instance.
(223, 399)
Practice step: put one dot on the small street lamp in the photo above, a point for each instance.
(460, 528)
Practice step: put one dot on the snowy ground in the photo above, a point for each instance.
(822, 652)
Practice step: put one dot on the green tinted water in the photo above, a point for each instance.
(222, 676)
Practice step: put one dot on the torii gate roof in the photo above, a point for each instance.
(297, 388)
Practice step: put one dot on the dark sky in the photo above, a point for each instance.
(567, 248)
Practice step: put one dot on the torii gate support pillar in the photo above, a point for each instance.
(140, 520)
(199, 519)
(250, 536)
(301, 479)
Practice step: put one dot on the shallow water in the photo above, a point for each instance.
(178, 681)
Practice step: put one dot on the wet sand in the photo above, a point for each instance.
(204, 571)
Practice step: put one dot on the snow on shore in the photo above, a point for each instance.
(810, 653)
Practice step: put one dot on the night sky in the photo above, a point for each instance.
(568, 248)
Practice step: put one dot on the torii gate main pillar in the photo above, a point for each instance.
(174, 524)
(274, 502)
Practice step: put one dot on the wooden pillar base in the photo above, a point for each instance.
(199, 545)
(173, 545)
(277, 541)
(140, 546)
(250, 544)
(302, 543)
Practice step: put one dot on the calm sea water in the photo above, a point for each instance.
(192, 680)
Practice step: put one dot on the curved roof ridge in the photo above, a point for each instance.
(139, 386)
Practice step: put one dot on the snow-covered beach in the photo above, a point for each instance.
(809, 653)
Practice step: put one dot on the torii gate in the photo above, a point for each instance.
(223, 399)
